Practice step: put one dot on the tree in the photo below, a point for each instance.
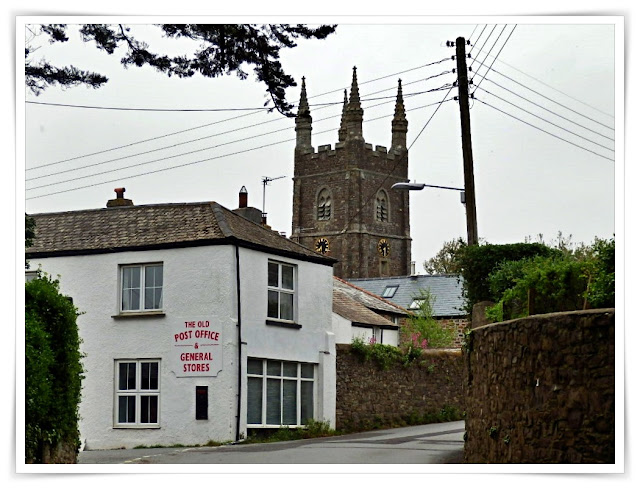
(29, 234)
(445, 261)
(223, 49)
(422, 330)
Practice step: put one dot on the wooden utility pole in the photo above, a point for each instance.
(467, 155)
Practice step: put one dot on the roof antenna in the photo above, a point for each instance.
(265, 182)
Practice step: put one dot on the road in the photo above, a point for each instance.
(439, 443)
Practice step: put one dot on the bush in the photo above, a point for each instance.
(53, 370)
(564, 281)
(477, 262)
(421, 330)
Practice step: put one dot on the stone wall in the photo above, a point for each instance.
(541, 390)
(369, 397)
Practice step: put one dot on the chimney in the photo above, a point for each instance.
(119, 201)
(243, 198)
(251, 213)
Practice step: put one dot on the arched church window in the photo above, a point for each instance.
(324, 205)
(382, 206)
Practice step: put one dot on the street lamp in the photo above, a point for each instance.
(472, 229)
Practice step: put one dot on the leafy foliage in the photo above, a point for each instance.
(53, 369)
(565, 281)
(477, 262)
(446, 260)
(29, 234)
(222, 49)
(423, 330)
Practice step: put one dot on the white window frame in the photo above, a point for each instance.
(142, 289)
(264, 376)
(137, 392)
(281, 290)
(389, 291)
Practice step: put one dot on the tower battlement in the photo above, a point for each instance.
(343, 203)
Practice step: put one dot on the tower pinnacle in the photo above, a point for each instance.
(399, 122)
(303, 120)
(342, 132)
(354, 112)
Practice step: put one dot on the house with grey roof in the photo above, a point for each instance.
(358, 313)
(407, 292)
(198, 323)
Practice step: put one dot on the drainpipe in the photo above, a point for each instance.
(239, 343)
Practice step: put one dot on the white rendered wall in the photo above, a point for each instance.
(198, 282)
(313, 342)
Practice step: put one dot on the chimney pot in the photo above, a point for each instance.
(119, 200)
(243, 198)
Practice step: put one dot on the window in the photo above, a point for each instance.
(416, 303)
(279, 393)
(137, 393)
(324, 205)
(141, 287)
(389, 291)
(382, 206)
(281, 291)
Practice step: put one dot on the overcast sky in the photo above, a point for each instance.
(542, 125)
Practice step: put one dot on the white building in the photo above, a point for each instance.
(358, 313)
(197, 323)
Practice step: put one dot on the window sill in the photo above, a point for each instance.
(137, 427)
(138, 314)
(283, 324)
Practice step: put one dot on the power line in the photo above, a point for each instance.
(546, 132)
(226, 120)
(210, 136)
(549, 110)
(554, 101)
(555, 89)
(207, 159)
(492, 46)
(494, 59)
(485, 41)
(548, 122)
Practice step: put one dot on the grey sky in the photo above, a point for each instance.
(527, 181)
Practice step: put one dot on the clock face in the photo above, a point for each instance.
(322, 246)
(383, 247)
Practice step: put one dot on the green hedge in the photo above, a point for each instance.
(53, 369)
(477, 262)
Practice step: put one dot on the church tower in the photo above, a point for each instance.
(343, 205)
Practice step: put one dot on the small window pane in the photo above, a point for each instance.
(290, 402)
(390, 291)
(126, 409)
(306, 401)
(254, 366)
(149, 375)
(153, 276)
(306, 371)
(127, 376)
(131, 277)
(273, 368)
(149, 409)
(272, 304)
(286, 306)
(273, 275)
(287, 277)
(254, 400)
(289, 369)
(273, 402)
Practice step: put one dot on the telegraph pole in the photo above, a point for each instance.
(467, 155)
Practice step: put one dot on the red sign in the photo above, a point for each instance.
(197, 349)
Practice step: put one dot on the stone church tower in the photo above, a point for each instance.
(343, 205)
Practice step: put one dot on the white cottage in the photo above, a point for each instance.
(198, 324)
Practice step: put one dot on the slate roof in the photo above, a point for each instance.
(446, 289)
(367, 299)
(352, 310)
(156, 226)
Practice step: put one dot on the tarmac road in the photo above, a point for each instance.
(439, 443)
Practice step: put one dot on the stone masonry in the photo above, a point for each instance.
(351, 176)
